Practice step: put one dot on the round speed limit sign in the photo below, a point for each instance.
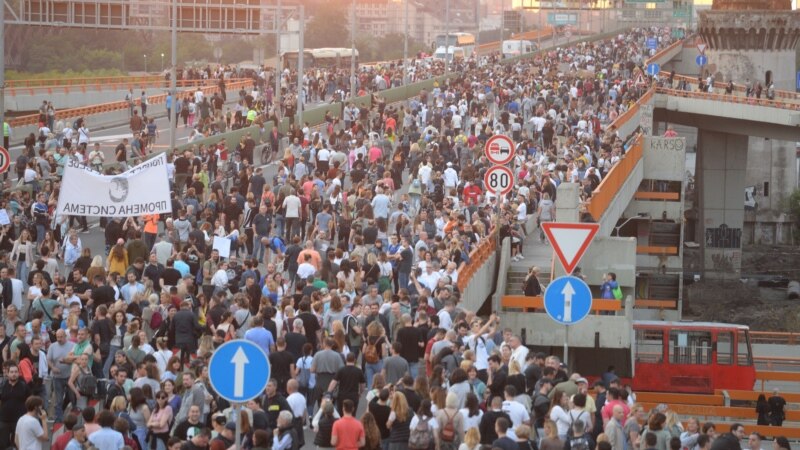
(498, 179)
(5, 160)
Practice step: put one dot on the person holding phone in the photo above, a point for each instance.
(31, 428)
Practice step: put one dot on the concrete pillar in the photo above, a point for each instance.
(567, 201)
(768, 184)
(722, 161)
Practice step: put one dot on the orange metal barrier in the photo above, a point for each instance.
(656, 250)
(718, 411)
(790, 397)
(664, 51)
(774, 337)
(604, 194)
(32, 119)
(598, 304)
(668, 196)
(772, 375)
(100, 86)
(681, 399)
(777, 361)
(736, 87)
(53, 82)
(752, 101)
(477, 258)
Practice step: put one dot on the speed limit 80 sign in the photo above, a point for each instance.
(498, 180)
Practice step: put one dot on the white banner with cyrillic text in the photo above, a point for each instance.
(144, 189)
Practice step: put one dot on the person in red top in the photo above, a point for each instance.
(440, 332)
(70, 420)
(348, 432)
(472, 194)
(613, 398)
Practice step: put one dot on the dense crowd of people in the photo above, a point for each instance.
(343, 267)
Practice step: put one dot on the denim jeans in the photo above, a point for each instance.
(258, 248)
(413, 369)
(402, 279)
(370, 370)
(112, 352)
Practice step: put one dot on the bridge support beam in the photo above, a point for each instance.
(721, 166)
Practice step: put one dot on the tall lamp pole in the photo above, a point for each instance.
(353, 52)
(300, 56)
(173, 75)
(446, 36)
(405, 45)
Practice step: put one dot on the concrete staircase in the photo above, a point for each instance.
(536, 254)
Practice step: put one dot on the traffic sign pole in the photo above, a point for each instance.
(237, 408)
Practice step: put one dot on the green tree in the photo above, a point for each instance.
(327, 28)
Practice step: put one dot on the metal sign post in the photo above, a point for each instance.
(237, 411)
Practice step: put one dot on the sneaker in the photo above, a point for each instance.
(515, 258)
(85, 231)
(521, 257)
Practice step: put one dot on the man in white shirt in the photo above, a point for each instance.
(445, 319)
(296, 400)
(516, 411)
(306, 268)
(429, 278)
(450, 177)
(220, 278)
(518, 351)
(291, 211)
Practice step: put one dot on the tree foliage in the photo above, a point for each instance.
(327, 27)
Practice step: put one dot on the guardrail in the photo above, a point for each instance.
(736, 87)
(52, 82)
(790, 397)
(665, 51)
(774, 337)
(32, 119)
(477, 258)
(752, 101)
(605, 192)
(531, 304)
(101, 86)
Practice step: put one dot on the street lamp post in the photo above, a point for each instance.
(145, 63)
(162, 62)
(446, 36)
(353, 53)
(405, 45)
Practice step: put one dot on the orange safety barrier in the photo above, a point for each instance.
(655, 304)
(656, 250)
(752, 101)
(774, 337)
(736, 87)
(669, 196)
(84, 111)
(598, 304)
(77, 81)
(790, 397)
(477, 258)
(772, 375)
(772, 361)
(664, 51)
(765, 430)
(718, 411)
(681, 399)
(523, 302)
(100, 86)
(604, 194)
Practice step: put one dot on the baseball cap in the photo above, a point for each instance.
(231, 426)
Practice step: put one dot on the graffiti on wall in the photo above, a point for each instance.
(723, 237)
(750, 198)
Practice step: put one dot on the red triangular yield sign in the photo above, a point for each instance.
(570, 241)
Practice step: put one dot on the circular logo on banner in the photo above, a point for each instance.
(499, 149)
(118, 191)
(5, 160)
(498, 179)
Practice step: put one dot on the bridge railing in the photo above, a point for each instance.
(85, 111)
(752, 101)
(613, 181)
(100, 86)
(54, 82)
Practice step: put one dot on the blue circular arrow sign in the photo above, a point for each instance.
(239, 371)
(568, 300)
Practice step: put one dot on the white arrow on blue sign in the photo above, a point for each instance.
(701, 60)
(239, 371)
(653, 69)
(568, 300)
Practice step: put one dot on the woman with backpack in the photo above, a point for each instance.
(422, 435)
(79, 381)
(373, 351)
(451, 424)
(305, 378)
